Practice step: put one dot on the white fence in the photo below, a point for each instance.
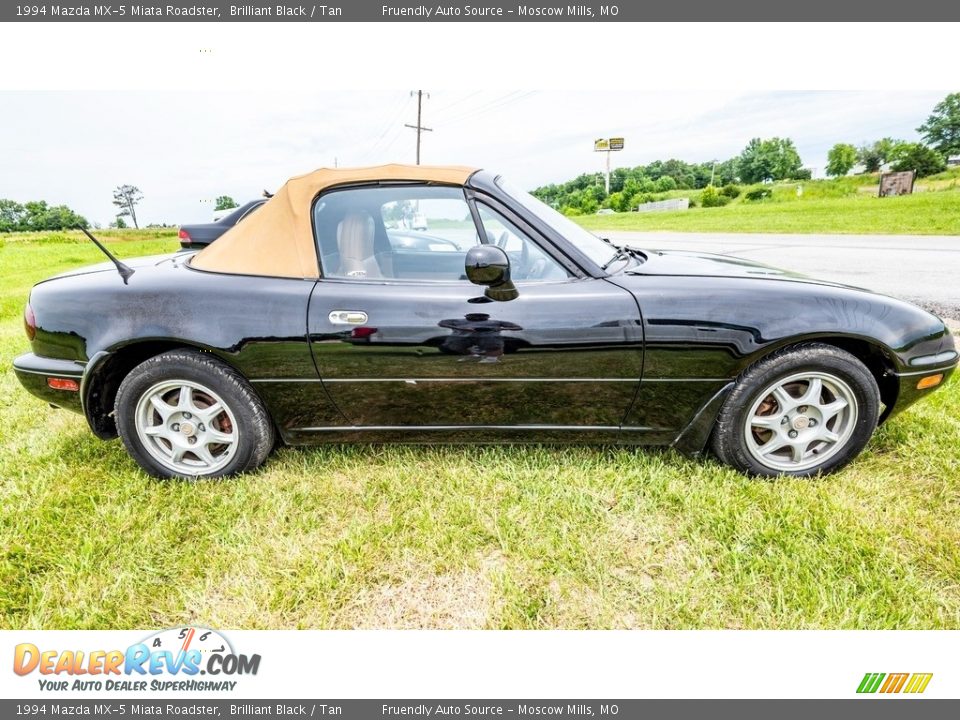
(663, 205)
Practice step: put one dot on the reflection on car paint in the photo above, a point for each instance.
(477, 336)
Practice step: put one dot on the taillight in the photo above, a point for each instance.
(184, 236)
(68, 384)
(29, 322)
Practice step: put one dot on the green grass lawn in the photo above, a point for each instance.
(465, 537)
(845, 205)
(934, 213)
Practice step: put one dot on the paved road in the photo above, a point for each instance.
(924, 269)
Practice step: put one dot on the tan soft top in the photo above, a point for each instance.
(277, 240)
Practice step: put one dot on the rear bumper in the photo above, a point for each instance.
(34, 372)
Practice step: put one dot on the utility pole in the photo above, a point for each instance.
(419, 126)
(607, 185)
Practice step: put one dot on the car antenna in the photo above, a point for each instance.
(125, 270)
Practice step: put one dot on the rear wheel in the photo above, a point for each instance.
(185, 414)
(802, 411)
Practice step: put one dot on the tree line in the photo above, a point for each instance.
(762, 160)
(37, 215)
(941, 140)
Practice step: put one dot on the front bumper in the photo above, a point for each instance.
(35, 371)
(908, 392)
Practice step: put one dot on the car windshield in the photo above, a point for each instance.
(589, 244)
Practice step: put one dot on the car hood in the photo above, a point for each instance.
(682, 262)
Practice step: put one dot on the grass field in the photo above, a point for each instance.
(846, 205)
(465, 537)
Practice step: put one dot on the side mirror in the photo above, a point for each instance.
(489, 265)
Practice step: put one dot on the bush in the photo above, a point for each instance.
(618, 201)
(665, 184)
(914, 156)
(759, 193)
(642, 198)
(730, 190)
(711, 198)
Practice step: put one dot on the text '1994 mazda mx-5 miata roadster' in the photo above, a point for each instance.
(441, 304)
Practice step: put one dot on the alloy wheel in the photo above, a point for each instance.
(800, 421)
(186, 427)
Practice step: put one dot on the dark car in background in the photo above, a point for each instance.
(198, 235)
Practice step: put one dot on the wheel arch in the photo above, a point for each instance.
(107, 369)
(877, 358)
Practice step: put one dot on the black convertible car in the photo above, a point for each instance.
(198, 235)
(321, 319)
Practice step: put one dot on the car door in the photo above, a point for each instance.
(402, 340)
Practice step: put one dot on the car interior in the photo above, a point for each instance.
(368, 234)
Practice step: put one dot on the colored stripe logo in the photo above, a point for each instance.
(913, 683)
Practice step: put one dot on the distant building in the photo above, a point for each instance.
(860, 168)
(953, 161)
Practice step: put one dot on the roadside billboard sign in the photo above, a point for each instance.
(897, 183)
(607, 144)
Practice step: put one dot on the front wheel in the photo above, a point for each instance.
(185, 414)
(802, 411)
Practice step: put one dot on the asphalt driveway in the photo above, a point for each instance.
(924, 269)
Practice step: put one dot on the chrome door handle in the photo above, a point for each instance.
(347, 317)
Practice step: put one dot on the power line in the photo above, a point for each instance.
(390, 125)
(445, 108)
(482, 106)
(419, 126)
(395, 112)
(397, 134)
(498, 103)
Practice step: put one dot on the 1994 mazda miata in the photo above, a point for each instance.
(441, 304)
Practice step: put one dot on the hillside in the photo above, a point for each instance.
(843, 205)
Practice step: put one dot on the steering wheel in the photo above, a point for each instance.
(537, 270)
(524, 254)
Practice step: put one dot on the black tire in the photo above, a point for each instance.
(253, 427)
(730, 441)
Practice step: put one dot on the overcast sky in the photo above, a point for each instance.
(182, 149)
